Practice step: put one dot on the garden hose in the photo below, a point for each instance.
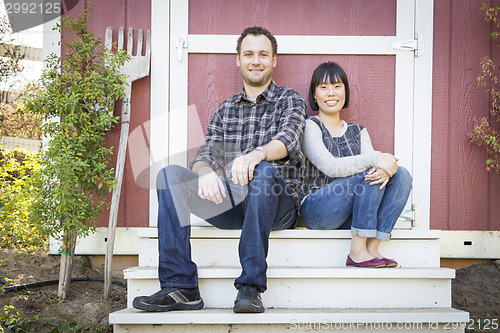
(49, 282)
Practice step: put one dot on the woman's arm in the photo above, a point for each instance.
(386, 162)
(316, 151)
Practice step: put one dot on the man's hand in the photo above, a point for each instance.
(388, 163)
(244, 166)
(210, 187)
(377, 176)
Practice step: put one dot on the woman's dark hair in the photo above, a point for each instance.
(328, 72)
(257, 31)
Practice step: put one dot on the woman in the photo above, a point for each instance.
(345, 181)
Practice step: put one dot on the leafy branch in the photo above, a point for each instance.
(483, 133)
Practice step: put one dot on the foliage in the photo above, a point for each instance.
(11, 320)
(80, 91)
(484, 133)
(19, 123)
(13, 121)
(16, 196)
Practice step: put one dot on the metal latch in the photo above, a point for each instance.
(416, 45)
(181, 42)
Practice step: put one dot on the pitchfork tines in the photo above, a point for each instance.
(138, 66)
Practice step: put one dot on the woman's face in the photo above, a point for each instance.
(330, 97)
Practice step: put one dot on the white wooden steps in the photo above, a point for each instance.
(291, 320)
(307, 283)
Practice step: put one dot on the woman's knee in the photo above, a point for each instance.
(403, 177)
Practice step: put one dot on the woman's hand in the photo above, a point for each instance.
(388, 163)
(377, 176)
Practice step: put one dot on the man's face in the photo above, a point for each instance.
(256, 60)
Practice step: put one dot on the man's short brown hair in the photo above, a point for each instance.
(257, 31)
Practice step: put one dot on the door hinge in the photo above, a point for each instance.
(416, 45)
(413, 215)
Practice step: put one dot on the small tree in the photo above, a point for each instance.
(484, 134)
(80, 91)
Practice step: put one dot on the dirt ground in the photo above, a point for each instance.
(84, 303)
(476, 289)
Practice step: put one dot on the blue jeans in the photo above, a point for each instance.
(371, 211)
(264, 205)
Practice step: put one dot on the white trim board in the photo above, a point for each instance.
(126, 243)
(422, 115)
(411, 15)
(470, 244)
(159, 115)
(454, 244)
(366, 45)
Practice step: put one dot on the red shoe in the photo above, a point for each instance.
(389, 262)
(372, 263)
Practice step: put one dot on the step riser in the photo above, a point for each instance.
(269, 328)
(321, 293)
(298, 252)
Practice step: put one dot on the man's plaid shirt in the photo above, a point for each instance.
(240, 125)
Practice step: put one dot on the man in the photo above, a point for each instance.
(244, 176)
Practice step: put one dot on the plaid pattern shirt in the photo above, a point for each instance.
(240, 125)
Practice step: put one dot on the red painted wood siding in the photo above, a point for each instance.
(134, 203)
(214, 78)
(294, 17)
(464, 196)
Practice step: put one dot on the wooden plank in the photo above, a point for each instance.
(21, 51)
(10, 96)
(422, 115)
(469, 180)
(294, 17)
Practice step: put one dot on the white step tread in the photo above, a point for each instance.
(308, 272)
(288, 316)
(299, 233)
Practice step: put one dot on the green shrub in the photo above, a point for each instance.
(16, 189)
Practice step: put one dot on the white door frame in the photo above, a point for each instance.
(169, 68)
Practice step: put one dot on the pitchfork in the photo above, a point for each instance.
(136, 68)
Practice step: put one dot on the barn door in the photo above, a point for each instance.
(385, 46)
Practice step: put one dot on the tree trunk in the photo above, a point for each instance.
(66, 267)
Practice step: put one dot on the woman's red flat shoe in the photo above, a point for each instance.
(389, 262)
(372, 263)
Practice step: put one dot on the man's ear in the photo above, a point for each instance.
(275, 60)
(238, 60)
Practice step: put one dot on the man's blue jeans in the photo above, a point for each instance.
(264, 205)
(371, 211)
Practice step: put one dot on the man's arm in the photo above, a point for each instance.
(244, 166)
(286, 143)
(210, 187)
